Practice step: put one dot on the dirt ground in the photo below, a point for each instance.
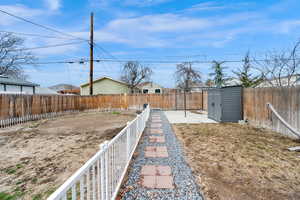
(235, 162)
(37, 157)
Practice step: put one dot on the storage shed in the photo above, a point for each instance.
(225, 104)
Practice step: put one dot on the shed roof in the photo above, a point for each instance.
(15, 81)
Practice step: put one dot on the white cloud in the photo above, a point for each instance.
(144, 3)
(53, 5)
(288, 25)
(18, 10)
(206, 6)
(166, 30)
(159, 23)
(214, 5)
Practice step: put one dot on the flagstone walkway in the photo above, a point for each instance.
(160, 171)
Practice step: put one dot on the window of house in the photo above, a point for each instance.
(145, 91)
(157, 91)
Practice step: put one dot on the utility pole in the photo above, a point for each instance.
(91, 53)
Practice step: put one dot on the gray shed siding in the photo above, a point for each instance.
(225, 104)
(231, 104)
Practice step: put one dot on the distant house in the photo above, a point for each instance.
(106, 85)
(45, 91)
(194, 86)
(70, 92)
(11, 85)
(60, 87)
(294, 80)
(232, 82)
(150, 88)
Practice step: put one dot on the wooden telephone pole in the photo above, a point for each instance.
(91, 53)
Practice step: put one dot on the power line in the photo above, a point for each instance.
(47, 46)
(56, 31)
(34, 35)
(105, 51)
(41, 26)
(82, 61)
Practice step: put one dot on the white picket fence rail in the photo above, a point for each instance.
(101, 176)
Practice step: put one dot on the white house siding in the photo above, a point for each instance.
(13, 88)
(295, 80)
(105, 86)
(151, 87)
(27, 90)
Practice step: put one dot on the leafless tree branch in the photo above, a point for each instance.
(134, 73)
(11, 59)
(185, 76)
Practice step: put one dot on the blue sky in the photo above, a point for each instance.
(152, 29)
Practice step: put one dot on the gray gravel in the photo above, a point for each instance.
(185, 186)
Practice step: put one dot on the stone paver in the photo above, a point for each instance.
(156, 131)
(156, 121)
(155, 118)
(157, 176)
(164, 182)
(156, 170)
(158, 139)
(156, 125)
(156, 152)
(148, 170)
(157, 182)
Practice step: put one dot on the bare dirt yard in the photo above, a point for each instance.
(37, 157)
(235, 162)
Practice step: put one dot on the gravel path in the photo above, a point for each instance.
(184, 183)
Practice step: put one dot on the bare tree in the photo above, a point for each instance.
(280, 68)
(12, 56)
(134, 73)
(186, 76)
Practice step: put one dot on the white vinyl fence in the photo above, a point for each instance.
(102, 175)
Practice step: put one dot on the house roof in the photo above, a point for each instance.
(102, 78)
(41, 90)
(146, 83)
(15, 81)
(63, 86)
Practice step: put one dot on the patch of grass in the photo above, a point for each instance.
(17, 193)
(115, 112)
(37, 197)
(19, 182)
(6, 196)
(13, 170)
(50, 191)
(19, 166)
(34, 180)
(10, 170)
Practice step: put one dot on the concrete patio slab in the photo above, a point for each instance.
(191, 118)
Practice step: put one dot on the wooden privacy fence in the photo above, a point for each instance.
(286, 102)
(19, 108)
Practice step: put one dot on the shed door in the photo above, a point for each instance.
(214, 104)
(211, 104)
